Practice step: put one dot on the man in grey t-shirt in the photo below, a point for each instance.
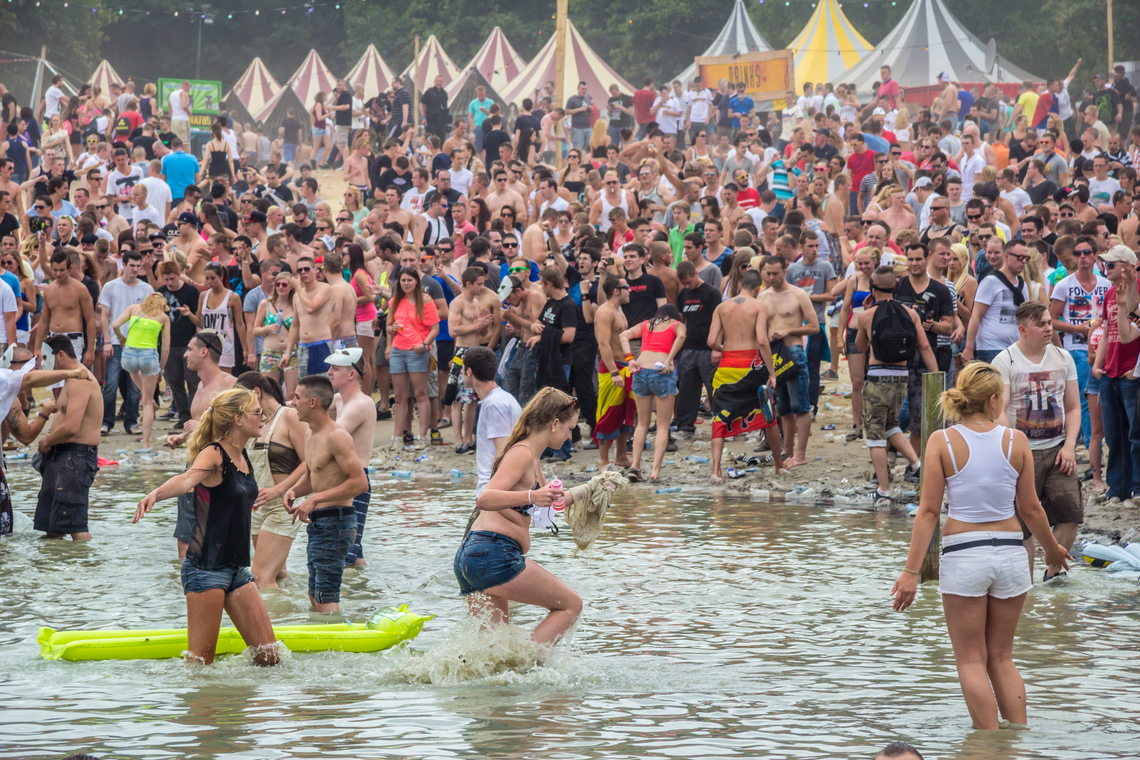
(817, 278)
(578, 109)
(498, 410)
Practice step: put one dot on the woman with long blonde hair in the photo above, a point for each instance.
(904, 133)
(966, 286)
(490, 565)
(147, 326)
(855, 290)
(215, 572)
(273, 323)
(985, 472)
(599, 141)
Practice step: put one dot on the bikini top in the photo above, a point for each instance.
(525, 508)
(271, 319)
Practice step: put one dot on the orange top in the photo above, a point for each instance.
(662, 341)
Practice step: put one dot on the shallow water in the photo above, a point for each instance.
(712, 628)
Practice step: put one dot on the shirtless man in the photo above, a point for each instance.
(661, 256)
(68, 311)
(738, 336)
(535, 237)
(202, 356)
(110, 220)
(333, 474)
(191, 244)
(396, 212)
(500, 195)
(71, 450)
(458, 138)
(313, 305)
(946, 104)
(355, 412)
(615, 399)
(522, 308)
(791, 316)
(344, 302)
(469, 323)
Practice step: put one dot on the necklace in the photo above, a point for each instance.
(984, 422)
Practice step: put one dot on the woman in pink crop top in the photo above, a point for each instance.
(984, 569)
(361, 282)
(654, 381)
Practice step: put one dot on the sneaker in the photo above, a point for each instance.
(105, 430)
(436, 438)
(396, 445)
(855, 434)
(912, 474)
(409, 439)
(420, 442)
(828, 375)
(590, 445)
(704, 413)
(1085, 476)
(181, 424)
(465, 448)
(671, 445)
(382, 414)
(131, 429)
(1046, 578)
(762, 447)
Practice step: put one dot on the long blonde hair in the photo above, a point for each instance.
(598, 136)
(962, 253)
(546, 406)
(1033, 271)
(218, 419)
(973, 388)
(154, 304)
(902, 119)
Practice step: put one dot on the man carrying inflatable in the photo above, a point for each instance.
(738, 336)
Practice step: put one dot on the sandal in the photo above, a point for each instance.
(633, 474)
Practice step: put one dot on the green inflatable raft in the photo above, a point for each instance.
(384, 629)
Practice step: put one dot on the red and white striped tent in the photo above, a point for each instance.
(372, 73)
(497, 61)
(256, 87)
(311, 77)
(582, 65)
(103, 77)
(433, 62)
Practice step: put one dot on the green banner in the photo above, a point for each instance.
(205, 97)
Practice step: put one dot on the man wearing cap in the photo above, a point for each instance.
(824, 150)
(254, 226)
(353, 411)
(189, 242)
(179, 169)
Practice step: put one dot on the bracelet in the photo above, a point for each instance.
(908, 570)
(45, 416)
(629, 357)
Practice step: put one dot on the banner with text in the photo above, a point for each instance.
(766, 76)
(205, 99)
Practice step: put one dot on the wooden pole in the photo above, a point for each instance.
(559, 72)
(37, 84)
(932, 386)
(1110, 52)
(416, 86)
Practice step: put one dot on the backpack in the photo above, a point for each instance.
(894, 338)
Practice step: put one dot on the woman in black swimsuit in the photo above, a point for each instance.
(490, 566)
(574, 175)
(215, 573)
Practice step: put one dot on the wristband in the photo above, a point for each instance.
(629, 357)
(45, 416)
(908, 570)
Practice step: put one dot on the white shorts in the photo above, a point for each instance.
(998, 571)
(23, 335)
(365, 329)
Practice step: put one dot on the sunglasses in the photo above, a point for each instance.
(282, 284)
(1085, 252)
(821, 171)
(1108, 265)
(572, 405)
(611, 182)
(867, 222)
(442, 249)
(973, 217)
(1020, 257)
(1067, 215)
(510, 245)
(517, 270)
(507, 213)
(302, 270)
(939, 208)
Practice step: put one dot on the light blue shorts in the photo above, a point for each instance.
(141, 360)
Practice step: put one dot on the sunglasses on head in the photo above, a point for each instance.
(572, 405)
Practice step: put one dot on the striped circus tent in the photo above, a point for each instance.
(103, 76)
(827, 46)
(739, 35)
(311, 77)
(582, 65)
(433, 62)
(255, 88)
(372, 73)
(497, 61)
(926, 42)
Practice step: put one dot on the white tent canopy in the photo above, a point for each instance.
(739, 35)
(433, 62)
(582, 65)
(311, 77)
(256, 87)
(372, 73)
(103, 76)
(497, 60)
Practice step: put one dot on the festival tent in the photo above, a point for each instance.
(739, 35)
(433, 62)
(497, 60)
(372, 73)
(252, 91)
(926, 42)
(828, 46)
(582, 65)
(461, 92)
(311, 77)
(103, 76)
(276, 110)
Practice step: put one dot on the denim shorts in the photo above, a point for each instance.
(792, 395)
(142, 360)
(486, 559)
(196, 580)
(321, 132)
(331, 535)
(1092, 385)
(655, 382)
(407, 360)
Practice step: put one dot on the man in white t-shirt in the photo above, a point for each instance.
(413, 200)
(117, 296)
(50, 107)
(1077, 300)
(993, 326)
(669, 109)
(498, 410)
(1010, 191)
(121, 181)
(1041, 399)
(697, 116)
(1101, 186)
(970, 165)
(547, 196)
(144, 212)
(157, 191)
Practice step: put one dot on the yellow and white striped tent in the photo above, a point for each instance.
(828, 46)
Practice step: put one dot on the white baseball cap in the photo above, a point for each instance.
(1119, 253)
(878, 112)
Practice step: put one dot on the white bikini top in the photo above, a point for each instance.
(983, 490)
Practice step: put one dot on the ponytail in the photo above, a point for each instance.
(973, 388)
(218, 419)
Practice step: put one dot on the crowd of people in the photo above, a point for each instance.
(560, 284)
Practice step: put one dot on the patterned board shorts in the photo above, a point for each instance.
(271, 361)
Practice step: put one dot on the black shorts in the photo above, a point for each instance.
(444, 352)
(68, 472)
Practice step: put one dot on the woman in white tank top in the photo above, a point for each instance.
(219, 317)
(983, 469)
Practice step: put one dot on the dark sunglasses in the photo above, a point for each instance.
(983, 238)
(302, 270)
(974, 217)
(510, 244)
(1084, 252)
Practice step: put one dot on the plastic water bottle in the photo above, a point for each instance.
(370, 470)
(697, 459)
(402, 474)
(674, 489)
(456, 473)
(559, 500)
(422, 458)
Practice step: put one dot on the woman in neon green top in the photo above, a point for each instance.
(147, 325)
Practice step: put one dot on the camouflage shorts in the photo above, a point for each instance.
(882, 401)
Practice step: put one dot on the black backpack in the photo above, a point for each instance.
(894, 338)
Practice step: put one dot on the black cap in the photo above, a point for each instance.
(188, 217)
(88, 239)
(170, 231)
(257, 216)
